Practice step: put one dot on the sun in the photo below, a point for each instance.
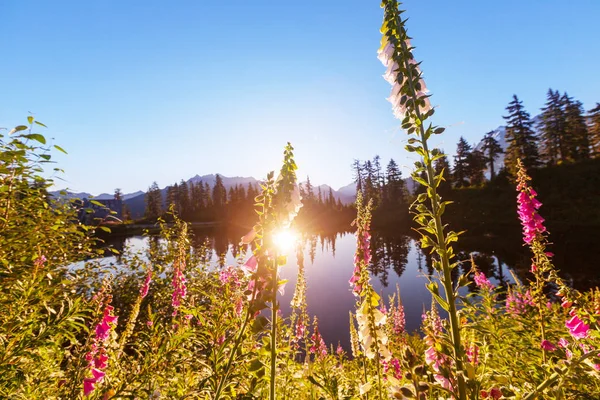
(285, 239)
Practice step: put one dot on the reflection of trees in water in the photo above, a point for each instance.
(388, 251)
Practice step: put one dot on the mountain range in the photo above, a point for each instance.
(136, 202)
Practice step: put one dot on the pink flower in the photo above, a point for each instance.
(473, 354)
(532, 222)
(562, 342)
(179, 288)
(339, 351)
(40, 261)
(577, 328)
(146, 286)
(89, 384)
(251, 264)
(546, 345)
(482, 282)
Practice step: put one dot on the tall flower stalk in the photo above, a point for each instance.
(411, 104)
(371, 320)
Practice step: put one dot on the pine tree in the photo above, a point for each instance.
(461, 163)
(358, 174)
(310, 191)
(476, 165)
(576, 129)
(183, 196)
(491, 150)
(118, 194)
(395, 185)
(219, 193)
(594, 130)
(553, 140)
(522, 142)
(153, 202)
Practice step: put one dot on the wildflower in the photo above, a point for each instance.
(179, 288)
(370, 336)
(472, 352)
(146, 286)
(96, 357)
(318, 346)
(149, 323)
(547, 346)
(395, 364)
(398, 318)
(40, 261)
(562, 342)
(482, 282)
(577, 328)
(516, 303)
(531, 220)
(339, 351)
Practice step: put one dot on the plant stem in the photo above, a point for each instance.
(273, 330)
(441, 240)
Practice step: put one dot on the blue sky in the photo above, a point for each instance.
(155, 90)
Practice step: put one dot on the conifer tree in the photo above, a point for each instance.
(476, 165)
(153, 202)
(183, 196)
(491, 150)
(395, 186)
(219, 193)
(522, 142)
(553, 139)
(461, 163)
(594, 130)
(358, 175)
(576, 129)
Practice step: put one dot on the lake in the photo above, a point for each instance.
(397, 261)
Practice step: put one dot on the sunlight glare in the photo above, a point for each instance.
(285, 239)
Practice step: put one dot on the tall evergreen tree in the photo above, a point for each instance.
(476, 165)
(153, 202)
(553, 140)
(219, 193)
(491, 150)
(461, 163)
(358, 175)
(522, 142)
(395, 185)
(576, 129)
(184, 199)
(594, 130)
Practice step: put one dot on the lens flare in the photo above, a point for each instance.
(284, 240)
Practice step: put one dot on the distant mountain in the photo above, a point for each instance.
(347, 196)
(227, 181)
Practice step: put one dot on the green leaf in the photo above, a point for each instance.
(57, 147)
(37, 137)
(30, 119)
(40, 124)
(105, 229)
(17, 129)
(97, 203)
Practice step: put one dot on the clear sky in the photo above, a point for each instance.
(138, 91)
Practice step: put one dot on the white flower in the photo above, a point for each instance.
(391, 75)
(385, 55)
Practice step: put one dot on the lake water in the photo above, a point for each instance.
(397, 261)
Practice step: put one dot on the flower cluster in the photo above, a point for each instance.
(97, 357)
(179, 287)
(481, 281)
(394, 365)
(531, 220)
(402, 70)
(370, 330)
(229, 276)
(362, 257)
(516, 302)
(434, 357)
(318, 346)
(146, 286)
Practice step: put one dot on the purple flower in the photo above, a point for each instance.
(532, 222)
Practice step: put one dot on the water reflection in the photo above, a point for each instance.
(397, 260)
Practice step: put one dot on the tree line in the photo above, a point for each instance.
(563, 133)
(201, 202)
